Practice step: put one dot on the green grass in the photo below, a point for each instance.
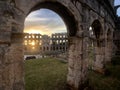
(45, 74)
(109, 81)
(101, 82)
(50, 74)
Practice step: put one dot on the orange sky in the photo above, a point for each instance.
(44, 21)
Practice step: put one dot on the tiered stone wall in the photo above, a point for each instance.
(37, 43)
(59, 42)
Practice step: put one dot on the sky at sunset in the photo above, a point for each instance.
(45, 21)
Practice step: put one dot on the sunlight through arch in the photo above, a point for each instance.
(44, 21)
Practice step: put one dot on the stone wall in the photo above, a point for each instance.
(38, 44)
(59, 42)
(78, 16)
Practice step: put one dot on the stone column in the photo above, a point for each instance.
(99, 61)
(11, 68)
(108, 50)
(11, 51)
(117, 43)
(78, 63)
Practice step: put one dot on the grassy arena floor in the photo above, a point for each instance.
(50, 74)
(45, 74)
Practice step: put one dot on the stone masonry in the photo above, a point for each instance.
(79, 16)
(38, 43)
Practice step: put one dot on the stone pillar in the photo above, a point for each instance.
(11, 68)
(11, 51)
(117, 43)
(99, 59)
(99, 51)
(77, 63)
(108, 50)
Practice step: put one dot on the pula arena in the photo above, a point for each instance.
(79, 16)
(57, 43)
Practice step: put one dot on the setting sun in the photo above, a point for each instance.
(33, 47)
(33, 31)
(44, 21)
(33, 43)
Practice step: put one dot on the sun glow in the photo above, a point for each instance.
(33, 43)
(33, 31)
(33, 47)
(44, 21)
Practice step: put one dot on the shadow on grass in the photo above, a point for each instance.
(109, 81)
(50, 74)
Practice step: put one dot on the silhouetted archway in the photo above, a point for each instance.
(97, 31)
(61, 10)
(65, 14)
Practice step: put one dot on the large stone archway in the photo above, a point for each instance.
(78, 16)
(98, 42)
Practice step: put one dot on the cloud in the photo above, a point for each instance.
(35, 19)
(44, 20)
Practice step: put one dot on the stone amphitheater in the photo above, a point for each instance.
(80, 17)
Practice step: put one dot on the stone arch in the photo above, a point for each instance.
(63, 12)
(117, 8)
(108, 46)
(71, 23)
(97, 31)
(71, 11)
(99, 43)
(109, 32)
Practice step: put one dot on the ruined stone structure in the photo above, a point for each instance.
(45, 45)
(37, 43)
(59, 42)
(32, 43)
(79, 16)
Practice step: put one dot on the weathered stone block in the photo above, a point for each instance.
(5, 37)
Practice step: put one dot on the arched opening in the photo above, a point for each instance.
(97, 31)
(71, 31)
(91, 53)
(61, 10)
(96, 54)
